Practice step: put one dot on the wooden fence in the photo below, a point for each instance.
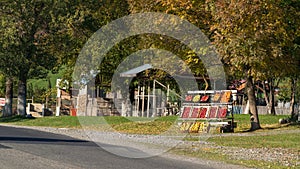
(264, 110)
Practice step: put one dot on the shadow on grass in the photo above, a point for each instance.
(295, 124)
(272, 127)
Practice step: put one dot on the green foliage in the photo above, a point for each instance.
(284, 93)
(80, 20)
(24, 34)
(39, 89)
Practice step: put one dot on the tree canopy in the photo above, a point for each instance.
(256, 40)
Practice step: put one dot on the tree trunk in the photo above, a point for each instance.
(272, 97)
(8, 97)
(269, 97)
(293, 113)
(22, 87)
(252, 105)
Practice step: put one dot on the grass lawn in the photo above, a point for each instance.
(133, 125)
(266, 122)
(278, 140)
(137, 125)
(59, 122)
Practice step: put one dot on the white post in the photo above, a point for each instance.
(28, 108)
(57, 111)
(143, 100)
(247, 108)
(138, 100)
(148, 102)
(58, 102)
(124, 109)
(154, 101)
(43, 110)
(168, 93)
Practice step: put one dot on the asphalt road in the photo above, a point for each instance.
(27, 148)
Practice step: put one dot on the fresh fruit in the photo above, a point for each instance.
(185, 126)
(186, 112)
(188, 98)
(195, 127)
(196, 98)
(195, 112)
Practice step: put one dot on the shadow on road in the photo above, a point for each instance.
(30, 140)
(40, 140)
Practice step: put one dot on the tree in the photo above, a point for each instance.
(25, 30)
(249, 36)
(7, 62)
(254, 37)
(292, 48)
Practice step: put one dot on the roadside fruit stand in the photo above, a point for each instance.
(203, 109)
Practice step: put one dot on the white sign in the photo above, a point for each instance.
(2, 101)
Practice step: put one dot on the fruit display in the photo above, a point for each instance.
(195, 112)
(226, 97)
(185, 126)
(202, 113)
(186, 112)
(195, 127)
(203, 127)
(217, 97)
(188, 98)
(213, 112)
(204, 98)
(196, 98)
(222, 113)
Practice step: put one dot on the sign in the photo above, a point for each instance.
(2, 101)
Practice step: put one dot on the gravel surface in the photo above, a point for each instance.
(274, 155)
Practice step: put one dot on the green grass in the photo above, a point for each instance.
(214, 155)
(266, 121)
(134, 125)
(275, 140)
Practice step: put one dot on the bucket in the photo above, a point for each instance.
(73, 112)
